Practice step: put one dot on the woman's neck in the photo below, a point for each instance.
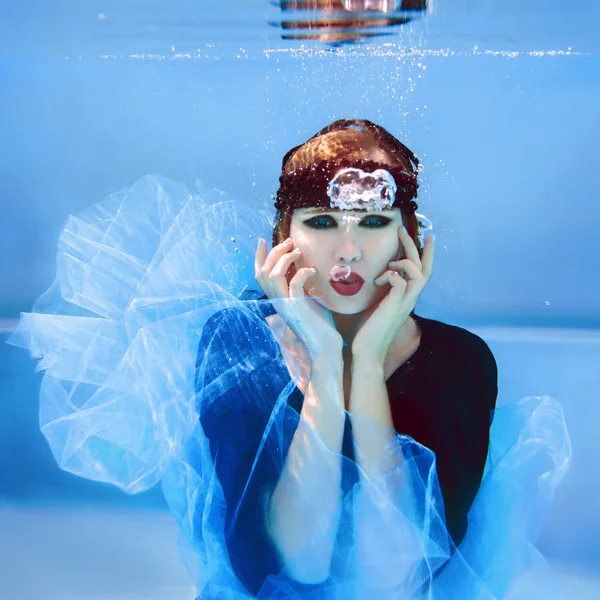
(349, 325)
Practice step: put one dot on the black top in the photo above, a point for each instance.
(442, 397)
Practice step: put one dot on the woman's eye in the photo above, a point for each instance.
(320, 223)
(328, 222)
(376, 222)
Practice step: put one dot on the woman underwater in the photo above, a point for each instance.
(336, 445)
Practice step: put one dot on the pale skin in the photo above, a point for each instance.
(375, 324)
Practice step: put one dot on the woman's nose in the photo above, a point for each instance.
(347, 250)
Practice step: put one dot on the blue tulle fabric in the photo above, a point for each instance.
(139, 275)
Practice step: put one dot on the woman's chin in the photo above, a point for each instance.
(349, 305)
(352, 305)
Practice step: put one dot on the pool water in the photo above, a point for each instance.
(500, 103)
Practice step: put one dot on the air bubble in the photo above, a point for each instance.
(425, 227)
(340, 272)
(316, 294)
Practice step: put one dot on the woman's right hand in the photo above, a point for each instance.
(311, 322)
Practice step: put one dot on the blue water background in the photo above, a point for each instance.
(500, 102)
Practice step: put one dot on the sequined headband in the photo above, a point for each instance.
(308, 186)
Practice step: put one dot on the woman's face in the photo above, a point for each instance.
(363, 241)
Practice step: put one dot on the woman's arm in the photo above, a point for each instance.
(384, 497)
(304, 510)
(237, 386)
(372, 424)
(282, 488)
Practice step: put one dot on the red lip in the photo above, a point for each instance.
(348, 289)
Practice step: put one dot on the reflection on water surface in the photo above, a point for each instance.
(345, 21)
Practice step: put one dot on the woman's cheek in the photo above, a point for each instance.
(305, 260)
(396, 254)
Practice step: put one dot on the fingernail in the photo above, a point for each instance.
(288, 240)
(404, 229)
(433, 239)
(260, 242)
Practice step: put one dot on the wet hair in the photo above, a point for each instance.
(345, 142)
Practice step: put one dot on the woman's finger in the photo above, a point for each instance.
(270, 269)
(427, 258)
(298, 281)
(410, 249)
(392, 278)
(406, 266)
(283, 263)
(276, 253)
(260, 257)
(259, 261)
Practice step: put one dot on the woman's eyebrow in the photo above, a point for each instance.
(315, 211)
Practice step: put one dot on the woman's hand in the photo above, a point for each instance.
(376, 334)
(311, 322)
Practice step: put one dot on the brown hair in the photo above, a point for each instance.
(345, 140)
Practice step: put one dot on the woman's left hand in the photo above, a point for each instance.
(374, 338)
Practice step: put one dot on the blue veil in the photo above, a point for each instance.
(156, 372)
